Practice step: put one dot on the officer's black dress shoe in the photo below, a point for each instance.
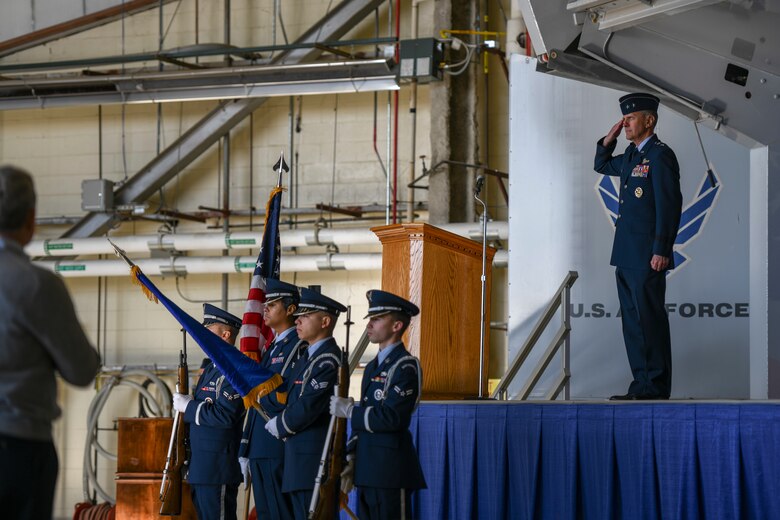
(624, 397)
(637, 397)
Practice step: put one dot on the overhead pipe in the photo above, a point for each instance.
(135, 244)
(413, 114)
(203, 134)
(182, 265)
(191, 51)
(396, 102)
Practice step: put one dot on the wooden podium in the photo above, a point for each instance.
(143, 446)
(440, 272)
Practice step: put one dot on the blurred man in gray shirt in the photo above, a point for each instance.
(40, 335)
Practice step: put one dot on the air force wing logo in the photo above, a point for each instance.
(694, 215)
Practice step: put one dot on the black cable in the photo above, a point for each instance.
(710, 173)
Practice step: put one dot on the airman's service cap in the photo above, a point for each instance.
(277, 289)
(212, 314)
(383, 302)
(637, 102)
(312, 301)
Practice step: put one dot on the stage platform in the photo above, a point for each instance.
(598, 460)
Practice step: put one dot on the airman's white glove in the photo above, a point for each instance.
(341, 406)
(180, 402)
(271, 427)
(244, 463)
(348, 475)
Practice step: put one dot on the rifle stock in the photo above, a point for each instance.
(328, 500)
(331, 488)
(171, 488)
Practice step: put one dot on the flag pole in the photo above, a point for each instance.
(281, 167)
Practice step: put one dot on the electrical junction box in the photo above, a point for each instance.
(420, 59)
(97, 195)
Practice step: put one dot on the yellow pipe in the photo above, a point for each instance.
(444, 32)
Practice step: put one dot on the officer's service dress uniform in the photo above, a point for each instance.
(264, 451)
(215, 416)
(647, 225)
(387, 469)
(303, 422)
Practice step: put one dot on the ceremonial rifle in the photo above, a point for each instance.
(170, 489)
(327, 495)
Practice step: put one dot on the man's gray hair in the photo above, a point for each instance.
(17, 197)
(652, 113)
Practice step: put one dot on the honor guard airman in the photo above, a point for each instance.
(645, 231)
(382, 458)
(262, 454)
(303, 421)
(215, 413)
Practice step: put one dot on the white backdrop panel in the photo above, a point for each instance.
(558, 223)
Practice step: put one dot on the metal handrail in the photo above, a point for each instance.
(560, 300)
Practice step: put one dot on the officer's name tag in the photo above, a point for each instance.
(641, 170)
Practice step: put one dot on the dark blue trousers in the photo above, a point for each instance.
(384, 504)
(28, 473)
(214, 502)
(270, 502)
(300, 500)
(642, 295)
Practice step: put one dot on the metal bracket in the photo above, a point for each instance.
(329, 265)
(172, 269)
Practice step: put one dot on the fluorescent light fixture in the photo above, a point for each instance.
(200, 85)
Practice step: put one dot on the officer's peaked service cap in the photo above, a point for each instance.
(383, 302)
(312, 301)
(277, 289)
(637, 102)
(212, 314)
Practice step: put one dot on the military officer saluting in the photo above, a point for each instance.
(382, 457)
(303, 422)
(262, 454)
(645, 232)
(215, 414)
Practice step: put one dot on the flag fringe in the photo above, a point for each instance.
(274, 192)
(261, 390)
(135, 270)
(254, 355)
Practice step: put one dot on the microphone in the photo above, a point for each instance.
(478, 185)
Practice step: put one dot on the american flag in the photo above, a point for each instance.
(255, 334)
(248, 378)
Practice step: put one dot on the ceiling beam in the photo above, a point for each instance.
(76, 25)
(340, 20)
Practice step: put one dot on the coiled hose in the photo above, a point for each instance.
(89, 478)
